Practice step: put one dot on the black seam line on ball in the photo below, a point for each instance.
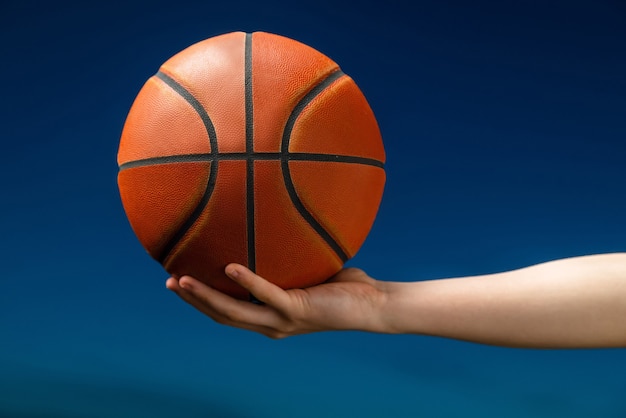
(295, 199)
(201, 111)
(249, 151)
(332, 158)
(265, 156)
(197, 106)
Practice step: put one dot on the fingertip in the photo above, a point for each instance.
(171, 284)
(234, 270)
(186, 282)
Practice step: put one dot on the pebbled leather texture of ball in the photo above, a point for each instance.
(255, 149)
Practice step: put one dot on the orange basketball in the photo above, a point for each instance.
(254, 149)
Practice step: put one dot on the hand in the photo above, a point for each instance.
(351, 300)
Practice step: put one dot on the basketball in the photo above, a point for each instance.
(256, 149)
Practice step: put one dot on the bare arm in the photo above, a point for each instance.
(575, 302)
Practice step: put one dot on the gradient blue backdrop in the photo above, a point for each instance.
(505, 131)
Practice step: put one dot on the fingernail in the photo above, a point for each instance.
(233, 273)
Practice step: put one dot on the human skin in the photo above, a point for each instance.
(576, 302)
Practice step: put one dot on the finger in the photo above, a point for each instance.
(262, 290)
(187, 296)
(233, 310)
(191, 299)
(172, 284)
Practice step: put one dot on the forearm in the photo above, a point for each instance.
(576, 302)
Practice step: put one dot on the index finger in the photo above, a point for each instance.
(263, 290)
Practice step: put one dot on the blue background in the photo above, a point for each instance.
(504, 126)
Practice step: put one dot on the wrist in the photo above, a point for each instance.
(399, 313)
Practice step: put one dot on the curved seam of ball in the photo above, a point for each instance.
(185, 94)
(293, 194)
